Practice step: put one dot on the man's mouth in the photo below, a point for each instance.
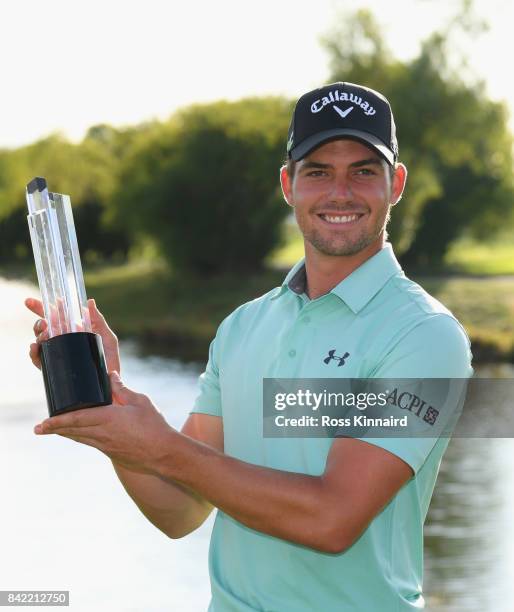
(340, 219)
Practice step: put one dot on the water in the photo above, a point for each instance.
(66, 522)
(469, 537)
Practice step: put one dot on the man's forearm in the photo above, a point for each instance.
(170, 506)
(283, 504)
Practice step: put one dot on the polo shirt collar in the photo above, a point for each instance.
(357, 289)
(368, 279)
(296, 286)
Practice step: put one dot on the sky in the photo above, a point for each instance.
(69, 64)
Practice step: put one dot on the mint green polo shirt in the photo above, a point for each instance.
(391, 328)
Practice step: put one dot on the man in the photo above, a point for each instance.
(303, 524)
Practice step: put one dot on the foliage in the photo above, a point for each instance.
(184, 312)
(202, 188)
(205, 185)
(87, 172)
(453, 139)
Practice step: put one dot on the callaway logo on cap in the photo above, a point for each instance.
(342, 109)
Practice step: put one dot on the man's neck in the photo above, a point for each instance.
(324, 272)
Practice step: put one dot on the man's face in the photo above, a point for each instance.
(341, 193)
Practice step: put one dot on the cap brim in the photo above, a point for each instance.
(305, 147)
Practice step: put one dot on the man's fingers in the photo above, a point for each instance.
(110, 341)
(34, 354)
(79, 432)
(42, 337)
(97, 319)
(35, 306)
(40, 329)
(84, 418)
(39, 326)
(83, 440)
(122, 394)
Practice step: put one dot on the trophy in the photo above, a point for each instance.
(72, 358)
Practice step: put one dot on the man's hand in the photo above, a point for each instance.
(98, 325)
(132, 432)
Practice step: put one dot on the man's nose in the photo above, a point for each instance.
(341, 190)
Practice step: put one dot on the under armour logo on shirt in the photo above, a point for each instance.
(332, 355)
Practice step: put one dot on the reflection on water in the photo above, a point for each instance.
(66, 523)
(469, 533)
(469, 536)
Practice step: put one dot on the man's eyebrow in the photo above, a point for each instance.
(309, 165)
(313, 164)
(366, 162)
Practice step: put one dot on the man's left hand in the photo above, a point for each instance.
(131, 431)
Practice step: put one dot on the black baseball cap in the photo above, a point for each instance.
(342, 110)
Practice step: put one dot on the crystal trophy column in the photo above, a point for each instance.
(72, 358)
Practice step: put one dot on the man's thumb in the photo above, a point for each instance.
(97, 318)
(122, 394)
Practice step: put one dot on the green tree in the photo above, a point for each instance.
(205, 185)
(87, 172)
(453, 139)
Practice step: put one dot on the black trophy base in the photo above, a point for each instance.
(74, 372)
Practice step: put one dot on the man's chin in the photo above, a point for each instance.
(340, 250)
(347, 252)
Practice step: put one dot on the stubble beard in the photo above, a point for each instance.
(351, 246)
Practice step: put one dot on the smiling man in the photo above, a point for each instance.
(302, 524)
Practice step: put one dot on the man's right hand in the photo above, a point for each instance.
(172, 508)
(98, 325)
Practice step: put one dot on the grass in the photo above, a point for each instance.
(492, 259)
(180, 317)
(486, 309)
(292, 250)
(172, 315)
(466, 257)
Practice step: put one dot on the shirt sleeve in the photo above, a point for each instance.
(436, 348)
(208, 400)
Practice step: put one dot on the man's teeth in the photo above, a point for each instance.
(340, 219)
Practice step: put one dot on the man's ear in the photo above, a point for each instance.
(398, 183)
(286, 184)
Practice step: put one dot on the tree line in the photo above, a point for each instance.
(202, 188)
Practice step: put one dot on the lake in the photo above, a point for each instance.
(66, 522)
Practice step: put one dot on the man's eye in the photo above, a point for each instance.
(316, 173)
(365, 171)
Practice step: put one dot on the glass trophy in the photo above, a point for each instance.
(72, 358)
